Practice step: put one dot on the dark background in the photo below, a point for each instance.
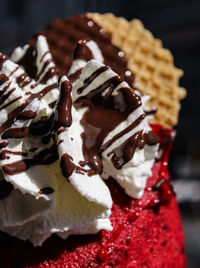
(177, 23)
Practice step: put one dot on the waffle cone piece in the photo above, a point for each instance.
(151, 64)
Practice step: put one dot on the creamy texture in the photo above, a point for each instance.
(132, 174)
(43, 201)
(59, 140)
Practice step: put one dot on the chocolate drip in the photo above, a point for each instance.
(65, 105)
(44, 157)
(3, 79)
(47, 52)
(11, 118)
(9, 103)
(82, 51)
(151, 138)
(52, 104)
(42, 93)
(91, 78)
(49, 73)
(23, 80)
(68, 167)
(16, 167)
(4, 89)
(15, 133)
(61, 130)
(12, 115)
(6, 96)
(151, 111)
(123, 132)
(46, 190)
(5, 189)
(125, 152)
(28, 61)
(3, 154)
(74, 76)
(104, 114)
(26, 115)
(60, 142)
(17, 68)
(3, 144)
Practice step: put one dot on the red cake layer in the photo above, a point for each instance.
(146, 232)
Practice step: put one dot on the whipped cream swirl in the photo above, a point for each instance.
(59, 140)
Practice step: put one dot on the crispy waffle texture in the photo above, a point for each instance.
(151, 64)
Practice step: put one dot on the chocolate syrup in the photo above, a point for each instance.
(105, 112)
(68, 167)
(125, 152)
(9, 103)
(3, 79)
(23, 80)
(44, 157)
(28, 61)
(93, 76)
(65, 105)
(4, 154)
(3, 144)
(6, 96)
(49, 74)
(4, 89)
(82, 51)
(15, 133)
(26, 115)
(12, 115)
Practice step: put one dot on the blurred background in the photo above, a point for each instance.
(177, 23)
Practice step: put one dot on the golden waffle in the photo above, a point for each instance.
(152, 65)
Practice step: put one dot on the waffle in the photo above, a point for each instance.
(151, 64)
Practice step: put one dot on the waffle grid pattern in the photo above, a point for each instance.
(151, 64)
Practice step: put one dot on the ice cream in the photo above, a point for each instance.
(60, 140)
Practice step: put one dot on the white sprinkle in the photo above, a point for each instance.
(128, 73)
(121, 54)
(90, 23)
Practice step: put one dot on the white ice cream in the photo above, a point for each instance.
(80, 204)
(133, 175)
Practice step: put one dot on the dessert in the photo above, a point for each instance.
(68, 103)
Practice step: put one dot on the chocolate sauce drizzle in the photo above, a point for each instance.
(12, 115)
(28, 61)
(22, 112)
(63, 35)
(68, 167)
(65, 105)
(105, 112)
(44, 157)
(82, 51)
